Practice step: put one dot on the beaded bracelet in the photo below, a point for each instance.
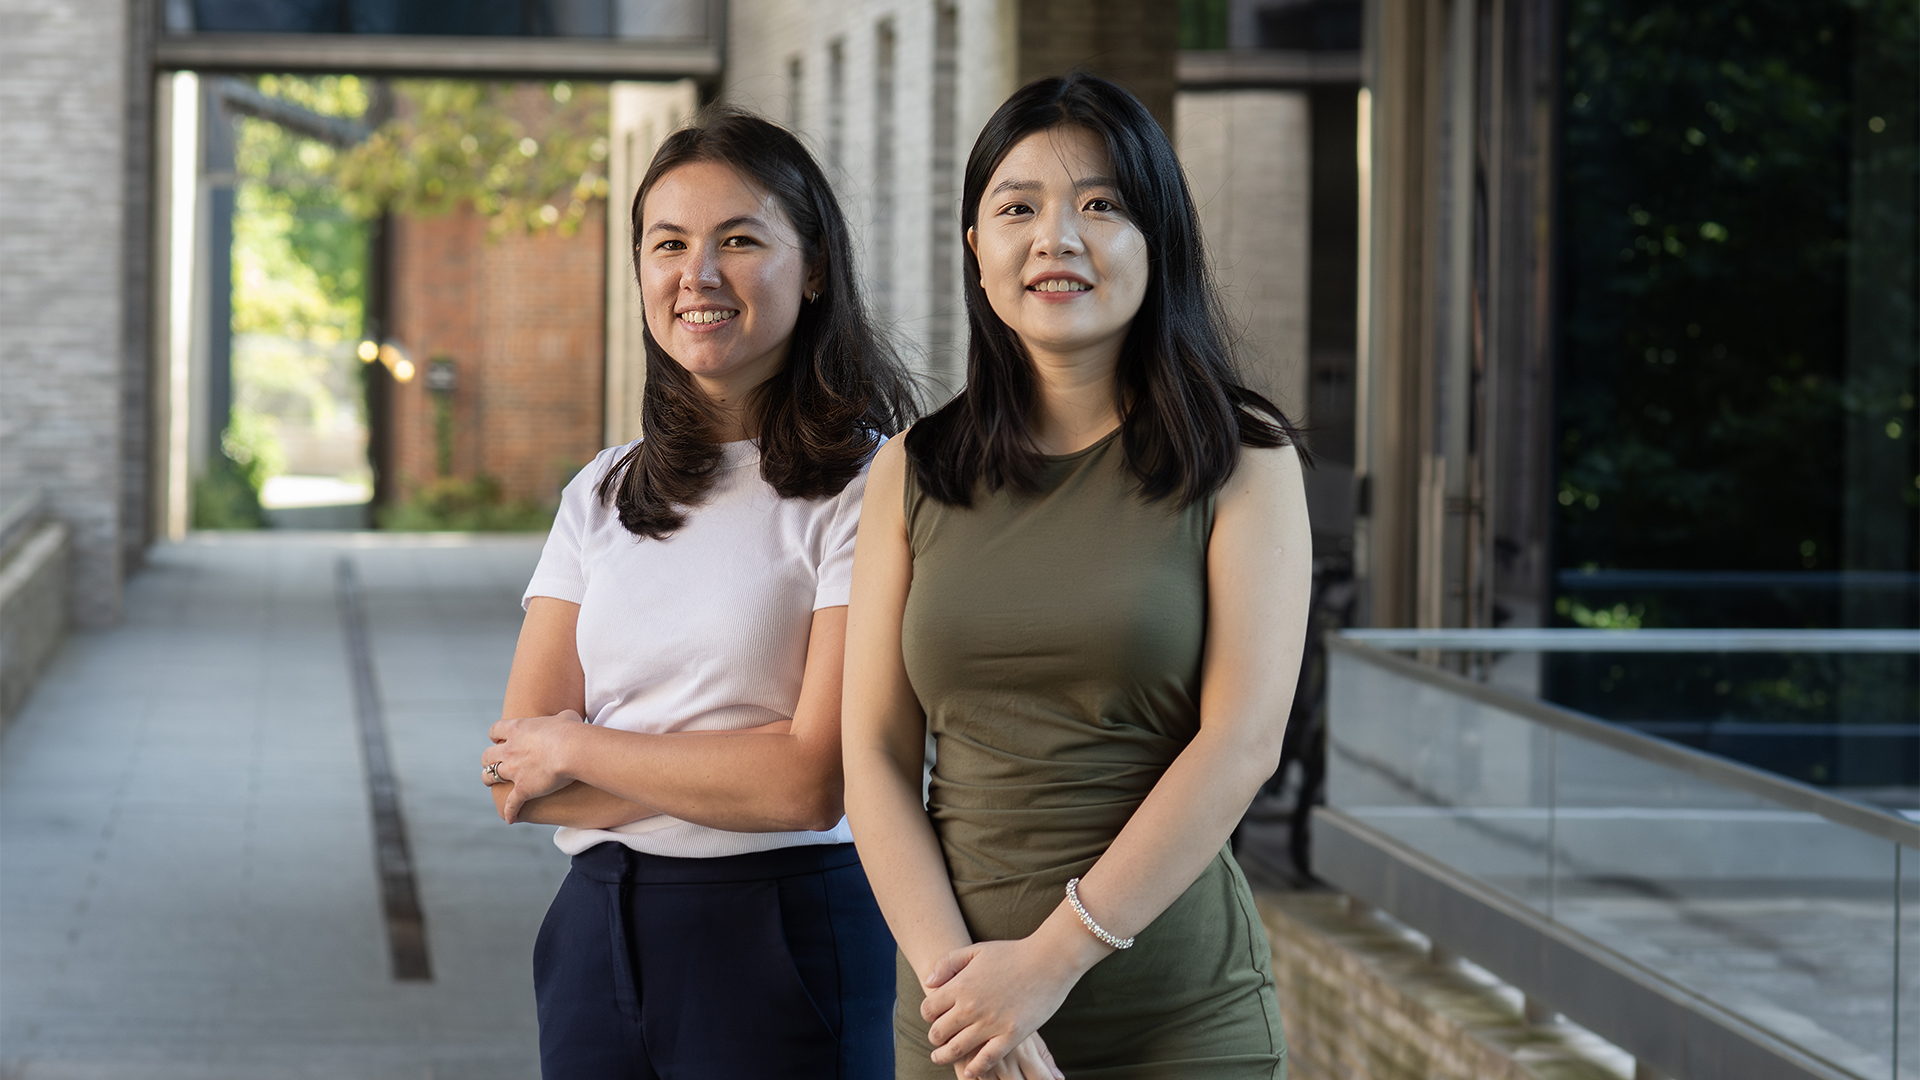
(1112, 940)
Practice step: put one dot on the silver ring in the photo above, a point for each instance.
(493, 770)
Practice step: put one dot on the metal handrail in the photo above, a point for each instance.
(1868, 819)
(1717, 580)
(1646, 641)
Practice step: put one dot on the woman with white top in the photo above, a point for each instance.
(690, 606)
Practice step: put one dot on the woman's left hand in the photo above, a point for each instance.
(1031, 1060)
(983, 1000)
(530, 753)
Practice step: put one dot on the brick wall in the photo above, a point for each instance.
(523, 319)
(62, 223)
(1362, 1001)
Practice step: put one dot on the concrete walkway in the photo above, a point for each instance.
(187, 880)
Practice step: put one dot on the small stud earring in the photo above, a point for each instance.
(812, 296)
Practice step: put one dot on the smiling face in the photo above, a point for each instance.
(1060, 258)
(722, 275)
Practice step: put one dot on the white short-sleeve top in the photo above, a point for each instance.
(703, 631)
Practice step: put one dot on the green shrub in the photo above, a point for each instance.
(227, 495)
(450, 504)
(224, 499)
(254, 449)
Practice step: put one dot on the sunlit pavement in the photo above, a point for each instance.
(187, 877)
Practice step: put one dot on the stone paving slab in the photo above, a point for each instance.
(187, 886)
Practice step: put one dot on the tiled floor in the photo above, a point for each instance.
(187, 885)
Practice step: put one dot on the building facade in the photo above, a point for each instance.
(74, 376)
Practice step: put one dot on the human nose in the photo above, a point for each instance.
(702, 271)
(1059, 234)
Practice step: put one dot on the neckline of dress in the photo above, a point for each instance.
(1087, 449)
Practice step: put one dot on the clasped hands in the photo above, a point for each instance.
(985, 1002)
(530, 753)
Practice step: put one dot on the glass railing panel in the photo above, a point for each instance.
(1462, 782)
(1906, 1007)
(1846, 722)
(1771, 912)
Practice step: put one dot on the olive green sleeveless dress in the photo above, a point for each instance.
(1054, 640)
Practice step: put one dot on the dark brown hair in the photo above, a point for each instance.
(820, 416)
(1184, 413)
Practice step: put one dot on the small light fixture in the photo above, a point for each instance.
(440, 375)
(369, 352)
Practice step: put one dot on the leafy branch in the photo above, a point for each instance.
(524, 156)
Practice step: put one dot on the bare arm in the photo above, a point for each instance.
(547, 680)
(780, 777)
(886, 734)
(1259, 577)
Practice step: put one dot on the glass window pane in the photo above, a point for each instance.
(626, 19)
(1739, 356)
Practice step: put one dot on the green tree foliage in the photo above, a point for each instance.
(299, 266)
(1706, 229)
(1709, 366)
(300, 258)
(524, 156)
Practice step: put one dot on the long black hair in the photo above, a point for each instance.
(818, 419)
(1184, 413)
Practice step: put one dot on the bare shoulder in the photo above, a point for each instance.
(892, 455)
(1261, 538)
(886, 479)
(1266, 476)
(889, 469)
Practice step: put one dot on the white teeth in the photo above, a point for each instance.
(1061, 285)
(703, 317)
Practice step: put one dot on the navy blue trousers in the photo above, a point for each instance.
(768, 965)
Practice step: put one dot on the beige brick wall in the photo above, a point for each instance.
(62, 224)
(33, 611)
(1248, 155)
(765, 38)
(1361, 1002)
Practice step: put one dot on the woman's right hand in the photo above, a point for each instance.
(532, 753)
(1031, 1060)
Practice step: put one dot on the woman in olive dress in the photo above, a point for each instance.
(1086, 579)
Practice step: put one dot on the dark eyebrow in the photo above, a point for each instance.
(1014, 185)
(730, 223)
(1035, 185)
